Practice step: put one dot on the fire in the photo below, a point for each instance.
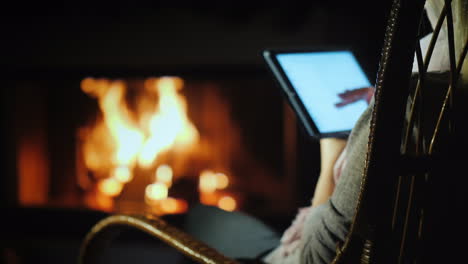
(164, 174)
(173, 206)
(170, 126)
(125, 138)
(211, 181)
(110, 187)
(156, 191)
(208, 181)
(222, 181)
(122, 174)
(227, 203)
(129, 138)
(210, 184)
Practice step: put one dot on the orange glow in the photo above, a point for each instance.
(127, 135)
(227, 203)
(142, 138)
(173, 206)
(209, 198)
(99, 201)
(210, 181)
(222, 181)
(118, 136)
(116, 116)
(104, 202)
(134, 133)
(122, 174)
(169, 205)
(95, 87)
(164, 175)
(170, 125)
(110, 187)
(32, 172)
(156, 191)
(207, 182)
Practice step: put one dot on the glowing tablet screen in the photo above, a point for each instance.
(331, 85)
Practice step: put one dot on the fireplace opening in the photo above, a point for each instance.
(159, 144)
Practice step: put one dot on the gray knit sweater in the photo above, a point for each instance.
(327, 225)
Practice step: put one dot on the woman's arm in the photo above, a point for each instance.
(330, 150)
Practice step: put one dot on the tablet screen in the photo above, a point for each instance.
(331, 85)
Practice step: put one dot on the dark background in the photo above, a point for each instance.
(149, 35)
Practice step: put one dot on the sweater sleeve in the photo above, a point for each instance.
(327, 226)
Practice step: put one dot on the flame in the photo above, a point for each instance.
(173, 206)
(110, 187)
(222, 181)
(209, 198)
(208, 181)
(164, 127)
(98, 200)
(156, 191)
(227, 203)
(171, 125)
(124, 138)
(164, 174)
(128, 138)
(122, 174)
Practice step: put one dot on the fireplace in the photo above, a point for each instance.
(158, 143)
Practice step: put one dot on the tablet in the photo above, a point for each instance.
(327, 89)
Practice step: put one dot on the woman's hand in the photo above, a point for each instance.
(351, 96)
(330, 151)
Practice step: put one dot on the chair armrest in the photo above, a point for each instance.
(103, 232)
